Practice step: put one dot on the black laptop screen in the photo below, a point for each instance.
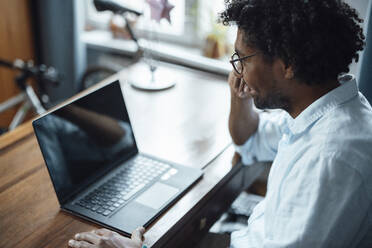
(85, 139)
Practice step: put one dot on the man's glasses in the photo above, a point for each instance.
(236, 61)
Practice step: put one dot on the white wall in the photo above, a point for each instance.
(361, 6)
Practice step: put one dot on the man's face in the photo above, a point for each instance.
(264, 79)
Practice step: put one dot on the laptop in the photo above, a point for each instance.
(96, 168)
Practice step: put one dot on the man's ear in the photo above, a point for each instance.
(285, 70)
(288, 72)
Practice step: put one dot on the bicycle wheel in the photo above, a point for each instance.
(94, 75)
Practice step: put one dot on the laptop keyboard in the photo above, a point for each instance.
(115, 192)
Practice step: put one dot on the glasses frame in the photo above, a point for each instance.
(240, 59)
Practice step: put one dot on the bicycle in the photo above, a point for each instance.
(43, 74)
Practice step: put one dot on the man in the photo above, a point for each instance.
(290, 55)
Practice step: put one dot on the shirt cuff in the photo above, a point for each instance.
(245, 151)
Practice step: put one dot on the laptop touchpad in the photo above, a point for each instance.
(158, 194)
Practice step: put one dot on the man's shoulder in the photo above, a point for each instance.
(347, 138)
(350, 122)
(345, 135)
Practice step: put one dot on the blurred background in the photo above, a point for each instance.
(73, 37)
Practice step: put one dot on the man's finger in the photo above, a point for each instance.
(103, 232)
(245, 88)
(88, 236)
(237, 83)
(79, 244)
(232, 81)
(137, 234)
(241, 86)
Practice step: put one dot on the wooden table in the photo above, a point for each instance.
(186, 124)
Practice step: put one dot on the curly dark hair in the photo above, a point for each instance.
(318, 38)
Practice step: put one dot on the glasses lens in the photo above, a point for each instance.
(237, 64)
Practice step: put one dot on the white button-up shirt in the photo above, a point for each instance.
(320, 184)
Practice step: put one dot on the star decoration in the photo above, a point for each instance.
(160, 9)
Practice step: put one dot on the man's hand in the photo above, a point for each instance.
(238, 87)
(243, 120)
(103, 238)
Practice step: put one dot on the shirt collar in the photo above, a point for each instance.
(347, 90)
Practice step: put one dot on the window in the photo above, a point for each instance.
(143, 25)
(192, 38)
(191, 21)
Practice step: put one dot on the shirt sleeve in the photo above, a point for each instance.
(263, 145)
(327, 207)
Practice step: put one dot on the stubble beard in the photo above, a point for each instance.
(273, 100)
